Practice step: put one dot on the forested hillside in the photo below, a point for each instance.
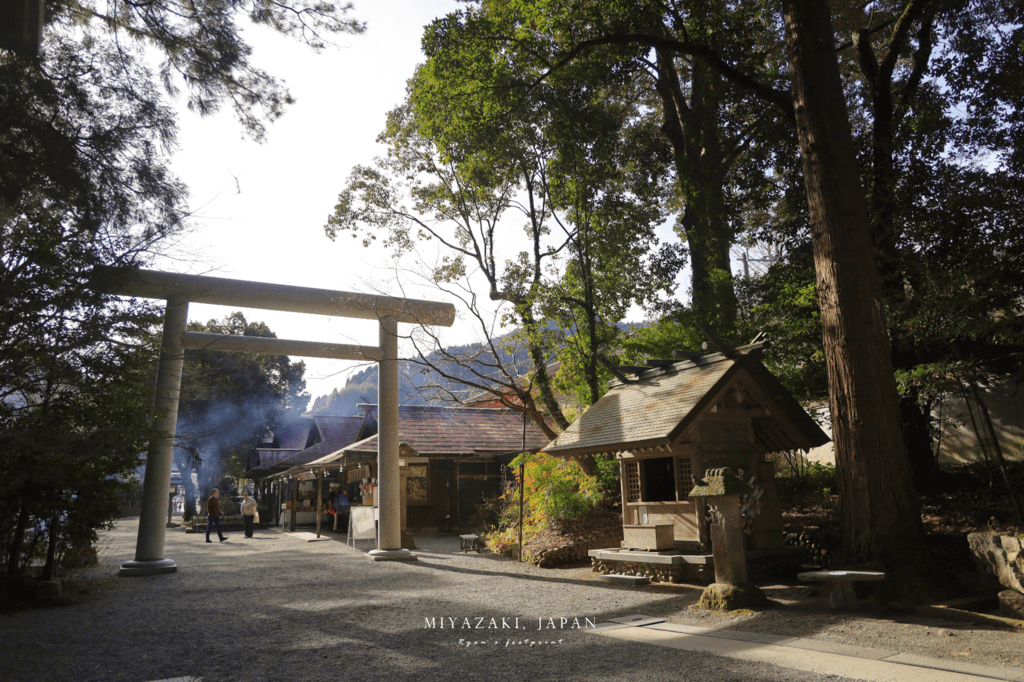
(420, 385)
(413, 384)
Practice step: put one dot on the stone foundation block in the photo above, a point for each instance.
(1002, 555)
(720, 597)
(49, 590)
(1011, 604)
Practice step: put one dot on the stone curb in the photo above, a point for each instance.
(949, 611)
(822, 646)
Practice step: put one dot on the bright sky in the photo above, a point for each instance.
(261, 208)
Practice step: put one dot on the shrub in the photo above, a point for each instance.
(556, 491)
(816, 481)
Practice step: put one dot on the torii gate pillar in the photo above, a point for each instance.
(149, 548)
(389, 530)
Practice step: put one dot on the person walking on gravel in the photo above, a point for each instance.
(213, 515)
(248, 512)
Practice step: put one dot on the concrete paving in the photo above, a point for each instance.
(798, 653)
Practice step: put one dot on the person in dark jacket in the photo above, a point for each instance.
(341, 505)
(213, 515)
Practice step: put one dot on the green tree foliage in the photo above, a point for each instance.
(74, 394)
(230, 402)
(714, 127)
(75, 386)
(66, 459)
(575, 158)
(85, 133)
(607, 202)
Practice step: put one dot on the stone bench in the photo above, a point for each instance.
(471, 542)
(842, 596)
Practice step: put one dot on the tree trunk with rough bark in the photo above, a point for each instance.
(52, 536)
(702, 163)
(880, 516)
(17, 540)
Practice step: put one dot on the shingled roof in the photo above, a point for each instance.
(268, 459)
(655, 410)
(331, 433)
(431, 430)
(305, 441)
(459, 431)
(293, 436)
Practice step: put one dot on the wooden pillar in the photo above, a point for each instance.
(701, 504)
(277, 510)
(295, 501)
(319, 498)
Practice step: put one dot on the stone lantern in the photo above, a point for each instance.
(722, 489)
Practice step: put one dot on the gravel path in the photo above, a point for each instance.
(277, 608)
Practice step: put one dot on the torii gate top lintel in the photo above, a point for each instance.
(265, 296)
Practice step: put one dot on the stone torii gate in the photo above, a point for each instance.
(179, 290)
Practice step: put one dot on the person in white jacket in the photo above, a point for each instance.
(248, 512)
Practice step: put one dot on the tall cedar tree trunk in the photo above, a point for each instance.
(692, 130)
(887, 110)
(879, 513)
(53, 537)
(17, 540)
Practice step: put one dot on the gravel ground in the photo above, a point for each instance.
(277, 608)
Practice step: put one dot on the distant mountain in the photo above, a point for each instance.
(415, 380)
(361, 387)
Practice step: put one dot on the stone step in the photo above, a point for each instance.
(619, 579)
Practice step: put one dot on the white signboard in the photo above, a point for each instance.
(362, 523)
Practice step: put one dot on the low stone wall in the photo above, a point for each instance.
(1002, 555)
(231, 522)
(820, 542)
(576, 553)
(658, 573)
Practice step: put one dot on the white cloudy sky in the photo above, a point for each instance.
(261, 208)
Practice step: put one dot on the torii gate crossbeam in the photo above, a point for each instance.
(178, 290)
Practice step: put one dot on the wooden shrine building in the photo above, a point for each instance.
(674, 421)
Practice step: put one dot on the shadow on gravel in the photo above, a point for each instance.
(505, 574)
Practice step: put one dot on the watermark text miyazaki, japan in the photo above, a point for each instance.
(508, 623)
(489, 629)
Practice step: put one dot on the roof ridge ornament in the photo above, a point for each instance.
(714, 343)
